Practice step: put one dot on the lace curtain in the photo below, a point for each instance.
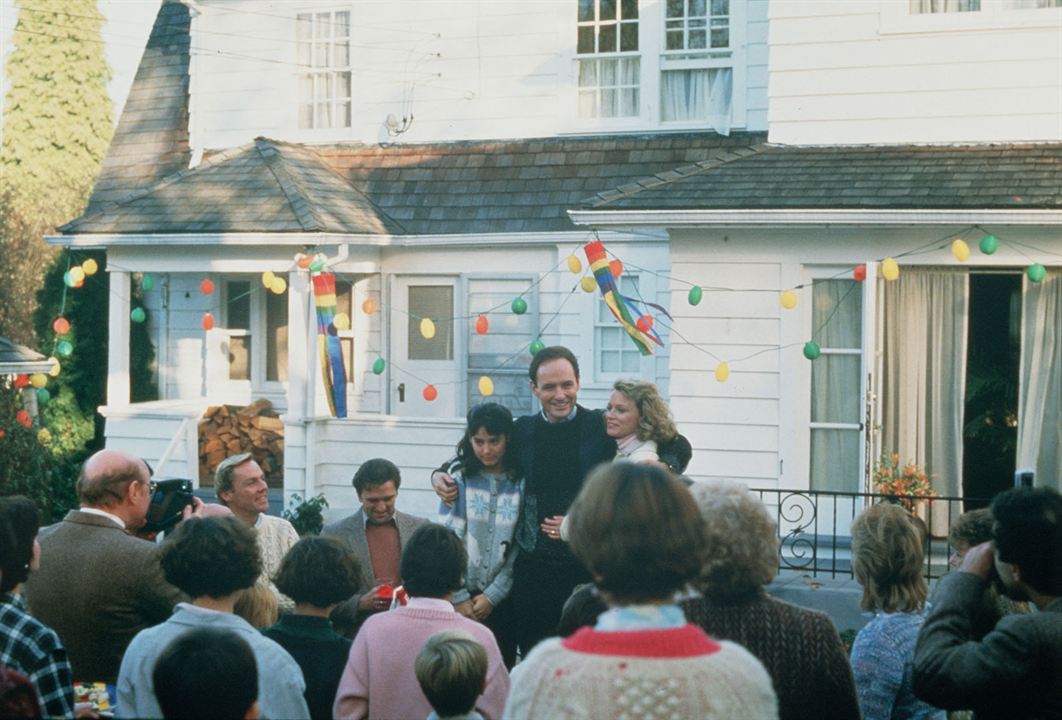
(697, 95)
(1040, 398)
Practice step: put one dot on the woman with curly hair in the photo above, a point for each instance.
(887, 562)
(638, 419)
(800, 648)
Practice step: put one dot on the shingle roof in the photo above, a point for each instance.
(151, 140)
(264, 186)
(984, 176)
(460, 187)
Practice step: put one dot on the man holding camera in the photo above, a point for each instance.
(99, 584)
(241, 486)
(1015, 671)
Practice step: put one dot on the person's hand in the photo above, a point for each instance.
(372, 602)
(85, 710)
(979, 560)
(444, 486)
(466, 609)
(481, 607)
(551, 526)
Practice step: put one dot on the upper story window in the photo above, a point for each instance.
(922, 7)
(609, 64)
(323, 54)
(697, 24)
(696, 69)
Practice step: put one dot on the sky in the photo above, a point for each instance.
(128, 23)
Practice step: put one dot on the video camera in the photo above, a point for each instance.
(167, 504)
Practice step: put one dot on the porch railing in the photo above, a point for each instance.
(814, 527)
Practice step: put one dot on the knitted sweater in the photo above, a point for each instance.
(882, 659)
(799, 648)
(275, 537)
(378, 680)
(669, 673)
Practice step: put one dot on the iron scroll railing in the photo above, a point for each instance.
(814, 527)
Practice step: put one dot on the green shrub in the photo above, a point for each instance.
(306, 516)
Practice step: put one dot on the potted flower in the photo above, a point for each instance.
(906, 484)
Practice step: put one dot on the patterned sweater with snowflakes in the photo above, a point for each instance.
(645, 674)
(484, 517)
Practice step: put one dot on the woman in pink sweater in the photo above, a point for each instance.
(379, 680)
(640, 535)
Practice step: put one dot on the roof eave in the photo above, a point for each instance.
(603, 218)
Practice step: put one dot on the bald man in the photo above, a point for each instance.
(98, 584)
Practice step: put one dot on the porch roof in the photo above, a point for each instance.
(15, 358)
(1008, 176)
(473, 187)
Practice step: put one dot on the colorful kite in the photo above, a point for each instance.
(328, 346)
(622, 307)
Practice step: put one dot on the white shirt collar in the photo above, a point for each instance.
(104, 513)
(571, 416)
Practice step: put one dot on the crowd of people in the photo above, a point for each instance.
(572, 571)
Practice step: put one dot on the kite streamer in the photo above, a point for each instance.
(328, 346)
(622, 307)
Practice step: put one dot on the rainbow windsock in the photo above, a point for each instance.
(622, 307)
(328, 346)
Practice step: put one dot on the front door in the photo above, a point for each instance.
(421, 304)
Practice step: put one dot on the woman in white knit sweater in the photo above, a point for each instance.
(640, 535)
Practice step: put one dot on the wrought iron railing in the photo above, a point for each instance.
(814, 527)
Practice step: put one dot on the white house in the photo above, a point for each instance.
(430, 152)
(895, 128)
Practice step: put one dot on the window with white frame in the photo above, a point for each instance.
(615, 353)
(608, 59)
(491, 353)
(923, 7)
(836, 386)
(255, 323)
(345, 305)
(696, 66)
(323, 56)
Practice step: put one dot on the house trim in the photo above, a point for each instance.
(880, 218)
(323, 239)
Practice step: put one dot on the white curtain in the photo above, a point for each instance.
(924, 383)
(944, 6)
(697, 95)
(1040, 398)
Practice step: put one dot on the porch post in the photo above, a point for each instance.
(298, 453)
(118, 339)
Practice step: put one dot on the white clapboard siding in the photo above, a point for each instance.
(869, 72)
(148, 430)
(464, 70)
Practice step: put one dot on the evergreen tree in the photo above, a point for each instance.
(57, 126)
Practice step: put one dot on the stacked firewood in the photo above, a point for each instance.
(227, 430)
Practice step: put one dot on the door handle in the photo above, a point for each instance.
(401, 392)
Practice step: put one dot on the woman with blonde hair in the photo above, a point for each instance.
(887, 562)
(638, 419)
(800, 648)
(638, 533)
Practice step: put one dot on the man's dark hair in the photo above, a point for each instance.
(582, 608)
(23, 520)
(433, 562)
(206, 672)
(1027, 531)
(376, 472)
(553, 352)
(213, 556)
(320, 571)
(972, 528)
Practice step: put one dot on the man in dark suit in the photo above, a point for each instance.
(376, 533)
(98, 584)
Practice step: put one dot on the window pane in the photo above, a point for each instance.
(629, 102)
(674, 40)
(608, 10)
(837, 314)
(698, 8)
(720, 38)
(835, 394)
(342, 21)
(835, 460)
(628, 37)
(344, 114)
(720, 7)
(342, 85)
(344, 297)
(606, 38)
(631, 361)
(435, 302)
(240, 358)
(302, 54)
(586, 10)
(342, 54)
(608, 103)
(305, 116)
(586, 40)
(277, 336)
(698, 39)
(629, 9)
(346, 345)
(610, 363)
(588, 73)
(238, 305)
(306, 88)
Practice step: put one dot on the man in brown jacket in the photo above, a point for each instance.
(98, 584)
